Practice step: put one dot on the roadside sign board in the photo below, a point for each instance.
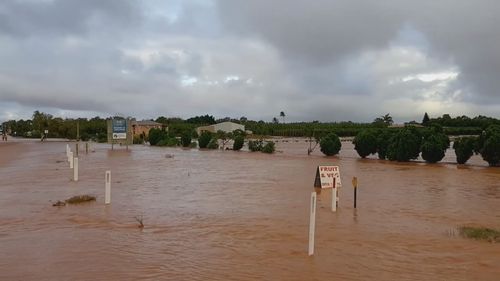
(325, 175)
(119, 127)
(119, 131)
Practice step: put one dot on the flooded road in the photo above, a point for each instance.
(224, 215)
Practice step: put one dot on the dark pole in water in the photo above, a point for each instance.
(355, 195)
(355, 185)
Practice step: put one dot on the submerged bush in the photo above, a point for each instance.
(204, 139)
(80, 199)
(404, 145)
(464, 149)
(330, 144)
(434, 145)
(213, 144)
(480, 233)
(365, 143)
(488, 145)
(269, 147)
(239, 140)
(256, 145)
(186, 139)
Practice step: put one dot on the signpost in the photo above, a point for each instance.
(329, 177)
(119, 131)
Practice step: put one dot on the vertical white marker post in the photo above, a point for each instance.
(71, 160)
(107, 191)
(75, 169)
(67, 150)
(334, 197)
(312, 223)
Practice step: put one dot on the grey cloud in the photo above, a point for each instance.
(64, 17)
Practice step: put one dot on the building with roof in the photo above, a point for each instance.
(226, 127)
(141, 128)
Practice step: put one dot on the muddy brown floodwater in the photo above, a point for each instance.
(224, 215)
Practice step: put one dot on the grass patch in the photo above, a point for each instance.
(80, 199)
(480, 233)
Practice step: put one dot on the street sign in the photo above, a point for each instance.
(354, 182)
(119, 128)
(325, 175)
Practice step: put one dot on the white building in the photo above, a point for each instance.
(224, 126)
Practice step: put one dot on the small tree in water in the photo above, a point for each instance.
(404, 145)
(464, 149)
(330, 144)
(365, 143)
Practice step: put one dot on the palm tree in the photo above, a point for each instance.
(282, 114)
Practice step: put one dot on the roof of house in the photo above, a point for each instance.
(147, 123)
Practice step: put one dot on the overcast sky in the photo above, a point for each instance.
(315, 60)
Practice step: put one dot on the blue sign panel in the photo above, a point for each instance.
(119, 126)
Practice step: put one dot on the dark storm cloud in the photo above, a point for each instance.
(323, 31)
(315, 60)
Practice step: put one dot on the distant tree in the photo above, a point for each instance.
(330, 144)
(488, 145)
(464, 149)
(434, 143)
(204, 139)
(275, 120)
(186, 139)
(204, 119)
(239, 140)
(156, 135)
(243, 119)
(404, 145)
(365, 143)
(383, 141)
(384, 119)
(282, 115)
(426, 120)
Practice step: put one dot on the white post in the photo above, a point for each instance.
(67, 150)
(75, 169)
(107, 191)
(312, 223)
(334, 199)
(71, 160)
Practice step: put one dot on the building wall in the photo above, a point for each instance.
(140, 129)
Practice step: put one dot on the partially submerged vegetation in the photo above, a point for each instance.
(75, 200)
(480, 233)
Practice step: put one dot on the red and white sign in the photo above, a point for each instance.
(325, 176)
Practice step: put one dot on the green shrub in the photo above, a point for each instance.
(269, 147)
(156, 135)
(213, 144)
(255, 145)
(186, 139)
(464, 149)
(432, 149)
(204, 139)
(239, 140)
(404, 145)
(365, 143)
(383, 141)
(489, 145)
(330, 144)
